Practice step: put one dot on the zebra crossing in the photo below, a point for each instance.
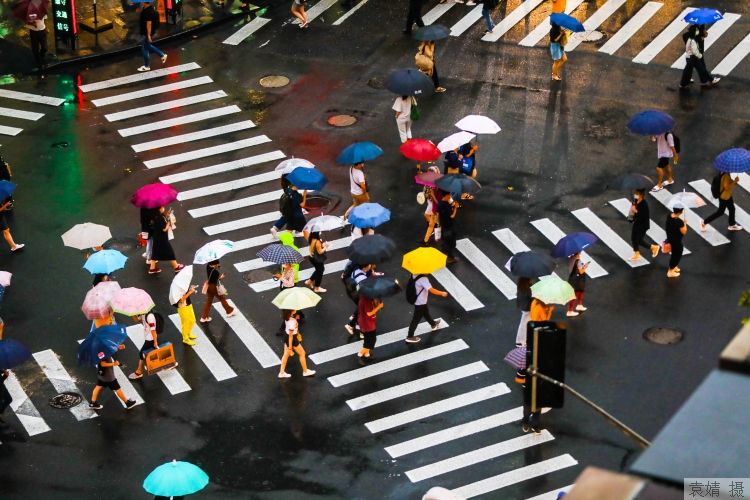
(19, 116)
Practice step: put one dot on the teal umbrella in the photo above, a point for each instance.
(175, 479)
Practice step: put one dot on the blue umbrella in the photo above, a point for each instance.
(6, 189)
(12, 354)
(307, 178)
(358, 152)
(409, 82)
(733, 160)
(573, 243)
(566, 21)
(175, 479)
(105, 262)
(458, 184)
(651, 122)
(369, 215)
(432, 32)
(703, 16)
(101, 343)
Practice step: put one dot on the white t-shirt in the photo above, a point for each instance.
(356, 177)
(290, 325)
(664, 145)
(149, 324)
(403, 106)
(423, 286)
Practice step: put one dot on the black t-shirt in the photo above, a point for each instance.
(213, 275)
(674, 236)
(554, 33)
(149, 14)
(451, 161)
(444, 213)
(641, 219)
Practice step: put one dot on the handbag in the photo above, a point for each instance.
(415, 114)
(221, 289)
(516, 358)
(421, 197)
(424, 63)
(666, 247)
(631, 213)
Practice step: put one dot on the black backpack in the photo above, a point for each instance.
(675, 139)
(411, 289)
(716, 186)
(285, 205)
(348, 278)
(159, 322)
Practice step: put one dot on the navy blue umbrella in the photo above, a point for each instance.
(432, 32)
(307, 178)
(12, 354)
(651, 122)
(531, 264)
(573, 243)
(371, 249)
(358, 152)
(378, 287)
(566, 21)
(280, 254)
(6, 189)
(101, 343)
(631, 182)
(409, 82)
(733, 160)
(458, 184)
(703, 16)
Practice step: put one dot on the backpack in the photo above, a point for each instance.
(4, 170)
(348, 278)
(411, 289)
(285, 205)
(716, 186)
(675, 139)
(159, 322)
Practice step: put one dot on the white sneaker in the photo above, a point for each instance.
(274, 231)
(470, 3)
(571, 314)
(581, 308)
(284, 375)
(308, 373)
(17, 247)
(703, 226)
(164, 59)
(715, 80)
(667, 183)
(320, 290)
(735, 227)
(437, 325)
(349, 329)
(144, 68)
(546, 409)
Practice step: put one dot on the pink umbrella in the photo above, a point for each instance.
(427, 178)
(154, 195)
(131, 302)
(96, 304)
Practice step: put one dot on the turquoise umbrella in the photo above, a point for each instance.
(175, 479)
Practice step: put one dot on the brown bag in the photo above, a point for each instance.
(424, 63)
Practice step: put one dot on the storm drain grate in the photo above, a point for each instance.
(65, 400)
(274, 81)
(341, 120)
(663, 335)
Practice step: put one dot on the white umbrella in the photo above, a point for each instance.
(478, 124)
(180, 284)
(454, 141)
(287, 166)
(324, 223)
(213, 250)
(5, 278)
(686, 199)
(86, 235)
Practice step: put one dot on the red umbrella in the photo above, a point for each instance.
(21, 9)
(420, 150)
(427, 178)
(154, 196)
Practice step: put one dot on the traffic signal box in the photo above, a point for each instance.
(546, 351)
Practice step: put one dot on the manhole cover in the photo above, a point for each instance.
(590, 36)
(341, 120)
(274, 81)
(376, 83)
(663, 335)
(65, 400)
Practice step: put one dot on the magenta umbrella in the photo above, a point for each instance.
(131, 302)
(427, 178)
(96, 304)
(154, 195)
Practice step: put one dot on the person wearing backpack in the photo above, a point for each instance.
(726, 201)
(668, 151)
(418, 289)
(290, 206)
(149, 23)
(352, 276)
(151, 330)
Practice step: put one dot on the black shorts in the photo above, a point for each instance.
(148, 345)
(369, 342)
(295, 342)
(663, 162)
(114, 385)
(3, 223)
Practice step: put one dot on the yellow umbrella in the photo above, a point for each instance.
(424, 260)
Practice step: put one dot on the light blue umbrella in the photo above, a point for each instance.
(175, 479)
(359, 152)
(105, 262)
(369, 215)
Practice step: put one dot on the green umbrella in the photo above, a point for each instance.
(553, 290)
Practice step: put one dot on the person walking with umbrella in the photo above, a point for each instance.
(666, 151)
(149, 23)
(293, 344)
(367, 310)
(402, 107)
(577, 279)
(421, 263)
(357, 186)
(639, 216)
(106, 378)
(150, 341)
(558, 37)
(676, 229)
(447, 209)
(213, 287)
(14, 247)
(187, 316)
(414, 15)
(726, 202)
(694, 39)
(147, 217)
(425, 61)
(162, 249)
(298, 11)
(317, 258)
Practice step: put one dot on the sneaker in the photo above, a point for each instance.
(144, 68)
(520, 380)
(581, 308)
(672, 274)
(470, 3)
(308, 373)
(144, 254)
(655, 250)
(735, 227)
(667, 183)
(545, 409)
(451, 260)
(440, 89)
(129, 404)
(704, 227)
(154, 271)
(188, 341)
(17, 247)
(412, 340)
(437, 325)
(636, 256)
(95, 406)
(715, 80)
(349, 329)
(284, 375)
(205, 320)
(179, 268)
(571, 314)
(135, 376)
(274, 231)
(164, 59)
(656, 189)
(234, 311)
(320, 290)
(361, 335)
(525, 427)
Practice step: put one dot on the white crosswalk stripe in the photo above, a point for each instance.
(349, 13)
(270, 284)
(37, 99)
(518, 14)
(249, 265)
(735, 57)
(693, 221)
(631, 27)
(596, 19)
(553, 234)
(436, 12)
(24, 409)
(473, 254)
(249, 336)
(247, 30)
(663, 39)
(63, 382)
(552, 495)
(243, 223)
(714, 32)
(204, 152)
(171, 379)
(223, 187)
(543, 28)
(180, 120)
(467, 21)
(20, 114)
(235, 204)
(607, 236)
(655, 232)
(5, 130)
(703, 187)
(161, 89)
(316, 10)
(256, 241)
(165, 106)
(138, 77)
(223, 167)
(193, 136)
(127, 388)
(744, 181)
(457, 290)
(512, 242)
(205, 350)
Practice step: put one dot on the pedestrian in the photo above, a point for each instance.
(425, 60)
(212, 288)
(539, 311)
(149, 23)
(452, 162)
(558, 38)
(422, 288)
(161, 248)
(106, 378)
(468, 155)
(523, 303)
(694, 47)
(150, 341)
(5, 398)
(639, 216)
(317, 257)
(352, 276)
(298, 11)
(414, 15)
(402, 107)
(36, 15)
(287, 238)
(430, 213)
(187, 316)
(14, 247)
(675, 229)
(293, 344)
(147, 216)
(487, 7)
(447, 209)
(358, 232)
(367, 311)
(666, 151)
(726, 201)
(577, 279)
(290, 206)
(357, 186)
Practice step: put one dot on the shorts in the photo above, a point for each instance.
(3, 223)
(148, 345)
(556, 50)
(369, 342)
(114, 384)
(663, 162)
(358, 199)
(295, 341)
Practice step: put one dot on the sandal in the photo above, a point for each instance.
(154, 271)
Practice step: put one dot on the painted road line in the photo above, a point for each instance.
(349, 13)
(160, 89)
(402, 361)
(455, 432)
(554, 233)
(352, 348)
(478, 456)
(249, 336)
(512, 242)
(316, 10)
(249, 265)
(434, 13)
(553, 494)
(171, 379)
(663, 39)
(223, 167)
(17, 113)
(511, 20)
(744, 181)
(63, 382)
(223, 187)
(137, 77)
(204, 152)
(607, 236)
(193, 136)
(655, 232)
(431, 409)
(473, 254)
(205, 350)
(542, 30)
(693, 220)
(413, 386)
(24, 409)
(180, 120)
(515, 476)
(630, 28)
(596, 20)
(165, 106)
(235, 204)
(457, 290)
(714, 32)
(243, 223)
(255, 241)
(10, 130)
(704, 188)
(467, 21)
(37, 99)
(127, 388)
(247, 30)
(735, 56)
(271, 284)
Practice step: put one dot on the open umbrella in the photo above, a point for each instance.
(531, 264)
(371, 249)
(131, 302)
(369, 215)
(296, 298)
(5, 278)
(21, 9)
(573, 243)
(631, 182)
(105, 262)
(175, 479)
(420, 150)
(180, 284)
(86, 235)
(458, 184)
(553, 290)
(96, 303)
(358, 152)
(12, 354)
(478, 124)
(280, 254)
(424, 260)
(101, 343)
(686, 199)
(307, 178)
(651, 122)
(324, 223)
(409, 82)
(154, 195)
(427, 178)
(378, 287)
(703, 16)
(213, 250)
(455, 141)
(432, 32)
(287, 166)
(565, 21)
(733, 160)
(6, 189)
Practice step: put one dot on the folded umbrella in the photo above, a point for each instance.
(324, 223)
(573, 243)
(566, 21)
(378, 287)
(180, 284)
(6, 189)
(432, 32)
(154, 195)
(175, 479)
(358, 152)
(409, 82)
(424, 260)
(369, 215)
(371, 249)
(131, 302)
(733, 160)
(478, 124)
(427, 178)
(420, 150)
(651, 122)
(685, 199)
(631, 182)
(213, 250)
(531, 264)
(553, 290)
(12, 354)
(703, 16)
(458, 184)
(287, 166)
(86, 235)
(516, 357)
(105, 262)
(101, 343)
(5, 278)
(280, 254)
(455, 141)
(307, 178)
(295, 299)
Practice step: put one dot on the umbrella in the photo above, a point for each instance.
(86, 235)
(324, 223)
(105, 262)
(455, 141)
(478, 124)
(175, 479)
(12, 354)
(566, 21)
(131, 302)
(101, 343)
(287, 166)
(5, 278)
(358, 152)
(733, 160)
(369, 215)
(378, 287)
(686, 199)
(573, 243)
(20, 9)
(531, 264)
(631, 182)
(651, 122)
(154, 195)
(424, 260)
(420, 150)
(307, 178)
(409, 82)
(427, 178)
(280, 254)
(371, 249)
(458, 184)
(296, 298)
(6, 189)
(553, 290)
(213, 250)
(516, 357)
(96, 303)
(703, 16)
(180, 284)
(431, 33)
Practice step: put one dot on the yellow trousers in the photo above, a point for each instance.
(187, 320)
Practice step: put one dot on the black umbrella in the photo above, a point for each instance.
(458, 184)
(631, 182)
(532, 264)
(371, 249)
(409, 82)
(431, 33)
(378, 287)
